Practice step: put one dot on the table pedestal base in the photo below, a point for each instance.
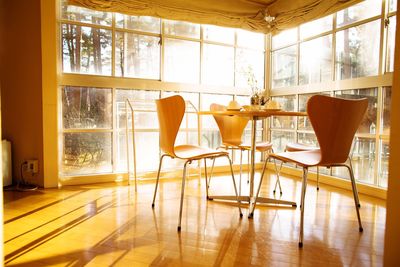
(253, 200)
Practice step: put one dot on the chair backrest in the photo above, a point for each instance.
(170, 112)
(335, 122)
(230, 127)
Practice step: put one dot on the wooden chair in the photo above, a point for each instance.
(335, 122)
(293, 147)
(231, 129)
(170, 113)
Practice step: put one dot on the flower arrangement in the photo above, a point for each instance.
(258, 96)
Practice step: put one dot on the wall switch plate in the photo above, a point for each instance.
(33, 165)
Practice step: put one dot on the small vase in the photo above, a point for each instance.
(263, 100)
(255, 100)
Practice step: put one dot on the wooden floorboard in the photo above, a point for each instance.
(112, 225)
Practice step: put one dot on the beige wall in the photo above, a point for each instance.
(21, 80)
(1, 180)
(392, 237)
(50, 35)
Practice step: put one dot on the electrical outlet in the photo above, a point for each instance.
(25, 167)
(33, 165)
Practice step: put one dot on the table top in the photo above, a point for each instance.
(254, 113)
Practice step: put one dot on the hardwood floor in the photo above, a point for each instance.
(111, 225)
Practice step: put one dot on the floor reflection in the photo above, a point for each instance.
(112, 225)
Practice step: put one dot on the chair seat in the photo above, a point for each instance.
(196, 152)
(260, 147)
(292, 147)
(302, 158)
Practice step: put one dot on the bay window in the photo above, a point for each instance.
(348, 54)
(107, 58)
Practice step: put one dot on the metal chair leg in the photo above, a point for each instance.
(211, 172)
(212, 169)
(351, 166)
(317, 178)
(182, 194)
(234, 186)
(303, 194)
(355, 194)
(248, 166)
(278, 173)
(240, 175)
(205, 174)
(158, 179)
(258, 189)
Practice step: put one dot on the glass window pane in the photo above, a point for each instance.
(283, 122)
(284, 38)
(250, 39)
(357, 51)
(138, 23)
(392, 5)
(144, 107)
(280, 139)
(363, 10)
(86, 108)
(387, 97)
(287, 103)
(187, 138)
(218, 65)
(243, 99)
(219, 34)
(147, 151)
(362, 159)
(316, 60)
(208, 99)
(120, 163)
(137, 56)
(145, 120)
(384, 164)
(146, 95)
(307, 139)
(284, 67)
(86, 50)
(188, 96)
(85, 15)
(368, 124)
(211, 138)
(391, 41)
(181, 61)
(86, 153)
(248, 63)
(147, 143)
(316, 27)
(180, 28)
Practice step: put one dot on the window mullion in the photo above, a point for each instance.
(114, 132)
(113, 46)
(333, 58)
